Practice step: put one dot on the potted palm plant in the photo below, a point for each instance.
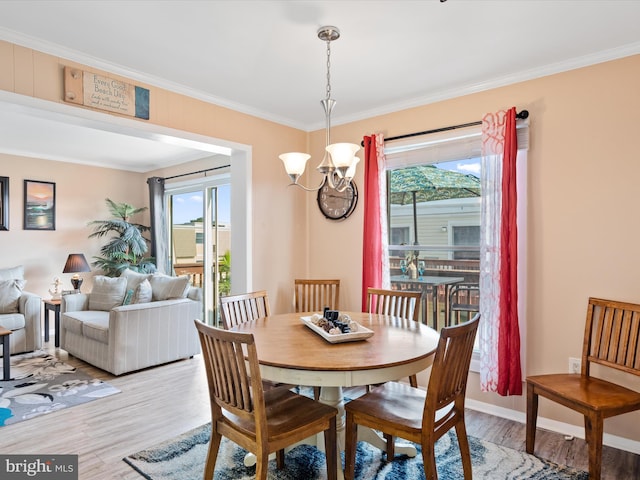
(128, 247)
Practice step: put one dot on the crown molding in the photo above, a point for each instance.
(522, 76)
(461, 90)
(94, 62)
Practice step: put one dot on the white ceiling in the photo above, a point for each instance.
(263, 57)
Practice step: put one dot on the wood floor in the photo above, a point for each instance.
(160, 403)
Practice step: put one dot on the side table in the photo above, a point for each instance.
(6, 354)
(52, 306)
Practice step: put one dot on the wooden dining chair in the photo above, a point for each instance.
(245, 307)
(237, 309)
(611, 339)
(399, 410)
(314, 295)
(398, 303)
(259, 421)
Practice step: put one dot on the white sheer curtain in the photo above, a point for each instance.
(384, 224)
(490, 213)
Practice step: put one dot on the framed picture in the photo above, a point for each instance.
(4, 203)
(39, 205)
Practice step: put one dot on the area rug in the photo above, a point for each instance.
(42, 384)
(183, 458)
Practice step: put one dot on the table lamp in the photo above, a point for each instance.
(76, 263)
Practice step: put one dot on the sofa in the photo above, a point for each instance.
(132, 322)
(20, 312)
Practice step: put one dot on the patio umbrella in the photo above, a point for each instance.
(426, 183)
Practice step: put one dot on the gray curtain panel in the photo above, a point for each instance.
(159, 234)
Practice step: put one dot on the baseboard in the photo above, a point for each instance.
(614, 441)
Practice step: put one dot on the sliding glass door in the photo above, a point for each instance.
(200, 230)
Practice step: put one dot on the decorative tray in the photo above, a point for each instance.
(361, 334)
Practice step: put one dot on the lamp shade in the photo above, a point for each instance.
(351, 171)
(342, 154)
(76, 263)
(294, 162)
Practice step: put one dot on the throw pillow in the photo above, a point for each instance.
(10, 291)
(134, 278)
(165, 287)
(107, 292)
(128, 296)
(12, 273)
(142, 293)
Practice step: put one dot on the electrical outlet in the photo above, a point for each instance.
(574, 365)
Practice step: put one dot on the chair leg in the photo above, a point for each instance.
(429, 460)
(413, 381)
(212, 454)
(351, 437)
(391, 446)
(316, 393)
(594, 426)
(331, 450)
(465, 451)
(280, 459)
(532, 417)
(262, 465)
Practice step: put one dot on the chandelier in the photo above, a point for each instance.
(339, 163)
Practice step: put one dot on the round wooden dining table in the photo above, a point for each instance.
(291, 352)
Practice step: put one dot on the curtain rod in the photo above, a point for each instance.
(195, 173)
(521, 115)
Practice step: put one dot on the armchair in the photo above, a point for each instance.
(19, 311)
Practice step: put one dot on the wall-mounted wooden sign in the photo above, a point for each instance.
(104, 93)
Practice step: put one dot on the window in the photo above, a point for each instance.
(466, 236)
(399, 236)
(445, 230)
(199, 247)
(434, 212)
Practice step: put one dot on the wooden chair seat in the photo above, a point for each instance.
(586, 393)
(400, 410)
(258, 421)
(287, 412)
(612, 340)
(396, 404)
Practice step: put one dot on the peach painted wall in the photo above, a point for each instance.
(80, 197)
(279, 233)
(582, 172)
(582, 230)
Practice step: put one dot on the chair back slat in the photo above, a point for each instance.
(450, 369)
(314, 295)
(238, 309)
(398, 303)
(633, 354)
(612, 336)
(232, 370)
